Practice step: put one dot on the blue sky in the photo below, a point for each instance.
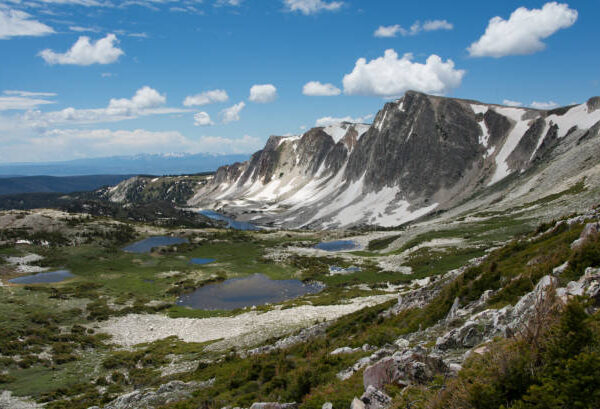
(63, 96)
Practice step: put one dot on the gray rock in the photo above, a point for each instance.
(357, 404)
(413, 366)
(273, 405)
(149, 399)
(375, 399)
(344, 350)
(590, 229)
(453, 310)
(327, 405)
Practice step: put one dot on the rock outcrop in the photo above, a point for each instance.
(153, 398)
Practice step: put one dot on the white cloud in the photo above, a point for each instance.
(15, 23)
(146, 101)
(144, 98)
(316, 89)
(523, 32)
(202, 119)
(329, 120)
(416, 28)
(544, 105)
(232, 114)
(63, 144)
(29, 93)
(79, 29)
(84, 52)
(233, 3)
(433, 25)
(389, 31)
(206, 97)
(390, 76)
(263, 93)
(21, 103)
(307, 7)
(510, 103)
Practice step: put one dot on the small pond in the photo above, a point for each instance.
(337, 245)
(243, 292)
(146, 245)
(41, 278)
(201, 261)
(231, 223)
(335, 270)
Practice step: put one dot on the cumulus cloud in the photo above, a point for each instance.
(390, 76)
(15, 23)
(329, 120)
(232, 114)
(389, 31)
(416, 28)
(316, 89)
(146, 101)
(433, 25)
(544, 105)
(263, 93)
(144, 98)
(510, 103)
(523, 32)
(84, 52)
(202, 119)
(307, 7)
(206, 97)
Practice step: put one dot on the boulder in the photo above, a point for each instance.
(149, 399)
(327, 405)
(375, 399)
(344, 350)
(274, 405)
(590, 229)
(413, 366)
(467, 336)
(357, 404)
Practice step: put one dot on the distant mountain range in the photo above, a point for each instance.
(164, 164)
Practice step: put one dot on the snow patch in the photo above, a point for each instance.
(512, 140)
(577, 116)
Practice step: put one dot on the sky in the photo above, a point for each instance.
(95, 78)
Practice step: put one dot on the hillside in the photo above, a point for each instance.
(52, 184)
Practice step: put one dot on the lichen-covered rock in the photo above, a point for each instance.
(413, 366)
(375, 399)
(150, 399)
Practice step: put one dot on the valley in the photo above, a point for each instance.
(227, 290)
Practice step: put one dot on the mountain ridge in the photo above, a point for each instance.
(422, 154)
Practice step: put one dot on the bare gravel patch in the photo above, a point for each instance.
(246, 329)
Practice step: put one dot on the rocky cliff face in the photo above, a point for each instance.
(422, 153)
